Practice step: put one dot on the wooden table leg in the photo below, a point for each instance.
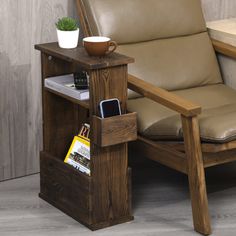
(196, 175)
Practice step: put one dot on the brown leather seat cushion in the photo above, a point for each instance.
(217, 121)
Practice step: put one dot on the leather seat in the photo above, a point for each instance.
(217, 121)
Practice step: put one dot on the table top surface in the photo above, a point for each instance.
(223, 30)
(79, 55)
(226, 26)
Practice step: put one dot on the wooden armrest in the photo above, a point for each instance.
(163, 97)
(224, 48)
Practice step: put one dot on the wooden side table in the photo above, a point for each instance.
(104, 198)
(223, 30)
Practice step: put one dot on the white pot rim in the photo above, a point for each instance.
(96, 39)
(68, 30)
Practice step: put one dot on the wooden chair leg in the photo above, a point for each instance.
(196, 175)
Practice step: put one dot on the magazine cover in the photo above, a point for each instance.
(79, 153)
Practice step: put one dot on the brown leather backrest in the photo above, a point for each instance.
(167, 38)
(130, 21)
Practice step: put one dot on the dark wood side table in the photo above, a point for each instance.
(104, 198)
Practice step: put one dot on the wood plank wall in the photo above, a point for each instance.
(221, 9)
(24, 23)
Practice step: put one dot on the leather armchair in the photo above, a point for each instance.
(186, 114)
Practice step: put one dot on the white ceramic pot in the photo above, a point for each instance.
(68, 39)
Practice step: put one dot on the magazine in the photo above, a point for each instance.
(79, 153)
(65, 84)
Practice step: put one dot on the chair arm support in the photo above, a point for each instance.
(224, 48)
(165, 98)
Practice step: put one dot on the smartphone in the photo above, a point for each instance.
(81, 80)
(110, 107)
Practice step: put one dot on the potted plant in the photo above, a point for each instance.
(67, 32)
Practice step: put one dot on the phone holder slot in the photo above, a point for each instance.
(114, 130)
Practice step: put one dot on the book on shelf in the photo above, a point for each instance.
(65, 84)
(79, 153)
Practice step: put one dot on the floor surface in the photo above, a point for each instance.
(161, 206)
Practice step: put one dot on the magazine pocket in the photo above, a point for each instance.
(66, 186)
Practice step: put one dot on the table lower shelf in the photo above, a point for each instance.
(83, 103)
(72, 192)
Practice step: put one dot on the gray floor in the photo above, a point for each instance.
(160, 202)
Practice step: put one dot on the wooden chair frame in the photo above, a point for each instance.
(191, 156)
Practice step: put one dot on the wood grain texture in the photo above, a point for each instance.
(213, 148)
(60, 124)
(84, 103)
(80, 57)
(212, 159)
(161, 153)
(109, 164)
(196, 175)
(224, 49)
(83, 18)
(66, 188)
(114, 130)
(206, 147)
(60, 115)
(109, 197)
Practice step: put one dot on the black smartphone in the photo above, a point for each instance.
(81, 80)
(110, 107)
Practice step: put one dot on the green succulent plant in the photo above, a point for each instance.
(67, 24)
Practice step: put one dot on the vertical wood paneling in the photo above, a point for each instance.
(216, 10)
(22, 24)
(219, 9)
